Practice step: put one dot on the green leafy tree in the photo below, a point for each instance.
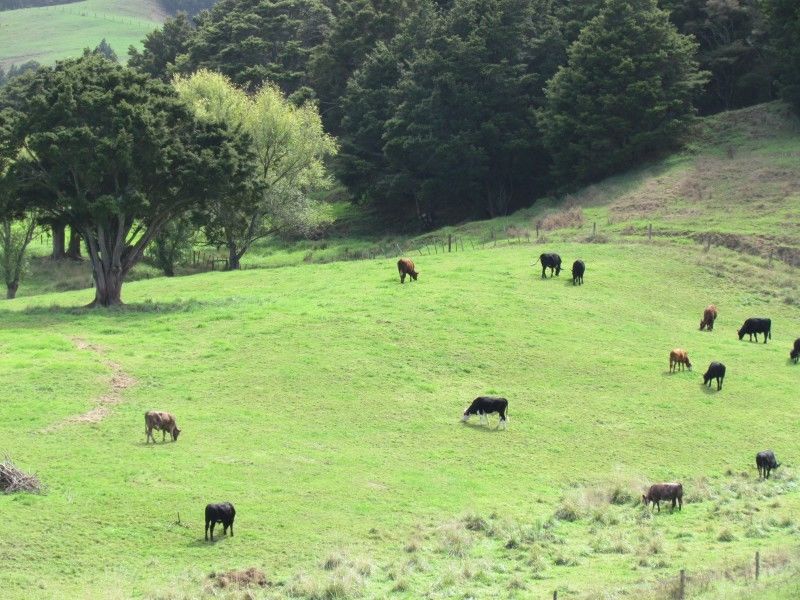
(784, 27)
(290, 149)
(172, 245)
(118, 156)
(625, 94)
(162, 48)
(258, 41)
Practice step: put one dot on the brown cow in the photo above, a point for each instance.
(406, 267)
(678, 357)
(709, 316)
(664, 491)
(160, 421)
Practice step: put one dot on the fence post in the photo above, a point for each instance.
(594, 228)
(758, 564)
(449, 242)
(682, 588)
(770, 259)
(555, 594)
(537, 229)
(650, 231)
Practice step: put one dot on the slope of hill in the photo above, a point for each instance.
(323, 400)
(48, 33)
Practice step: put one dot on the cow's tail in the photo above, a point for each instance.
(769, 332)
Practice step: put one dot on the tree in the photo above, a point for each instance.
(625, 93)
(290, 147)
(172, 244)
(118, 156)
(258, 41)
(105, 49)
(162, 48)
(784, 26)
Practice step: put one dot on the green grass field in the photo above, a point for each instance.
(323, 399)
(67, 29)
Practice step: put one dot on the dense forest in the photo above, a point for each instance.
(427, 111)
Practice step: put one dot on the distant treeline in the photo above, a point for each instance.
(14, 4)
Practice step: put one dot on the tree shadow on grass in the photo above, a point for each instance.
(34, 317)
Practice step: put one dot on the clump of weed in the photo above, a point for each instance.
(571, 217)
(611, 543)
(454, 539)
(726, 535)
(516, 583)
(565, 559)
(568, 510)
(334, 560)
(475, 522)
(413, 545)
(537, 561)
(245, 578)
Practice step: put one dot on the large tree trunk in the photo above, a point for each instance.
(58, 241)
(74, 250)
(109, 292)
(234, 258)
(11, 290)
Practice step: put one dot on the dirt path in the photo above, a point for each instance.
(120, 381)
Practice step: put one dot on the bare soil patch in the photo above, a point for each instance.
(120, 381)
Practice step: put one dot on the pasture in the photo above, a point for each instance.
(323, 401)
(70, 28)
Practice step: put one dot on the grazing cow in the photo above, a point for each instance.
(716, 371)
(578, 268)
(709, 316)
(406, 267)
(484, 405)
(754, 326)
(664, 491)
(160, 421)
(794, 354)
(765, 462)
(552, 262)
(678, 357)
(220, 513)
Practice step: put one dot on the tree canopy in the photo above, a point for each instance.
(289, 146)
(116, 155)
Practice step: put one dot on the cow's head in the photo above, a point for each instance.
(414, 275)
(688, 364)
(645, 499)
(465, 417)
(740, 333)
(558, 269)
(175, 433)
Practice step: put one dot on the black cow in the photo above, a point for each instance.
(716, 371)
(552, 262)
(484, 405)
(765, 462)
(220, 513)
(794, 354)
(754, 326)
(664, 491)
(578, 269)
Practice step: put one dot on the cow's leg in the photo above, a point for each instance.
(163, 435)
(719, 383)
(658, 504)
(212, 530)
(543, 270)
(207, 531)
(402, 277)
(231, 528)
(680, 504)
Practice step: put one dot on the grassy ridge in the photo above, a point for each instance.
(354, 447)
(70, 28)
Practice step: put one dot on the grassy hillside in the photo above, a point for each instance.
(70, 28)
(323, 400)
